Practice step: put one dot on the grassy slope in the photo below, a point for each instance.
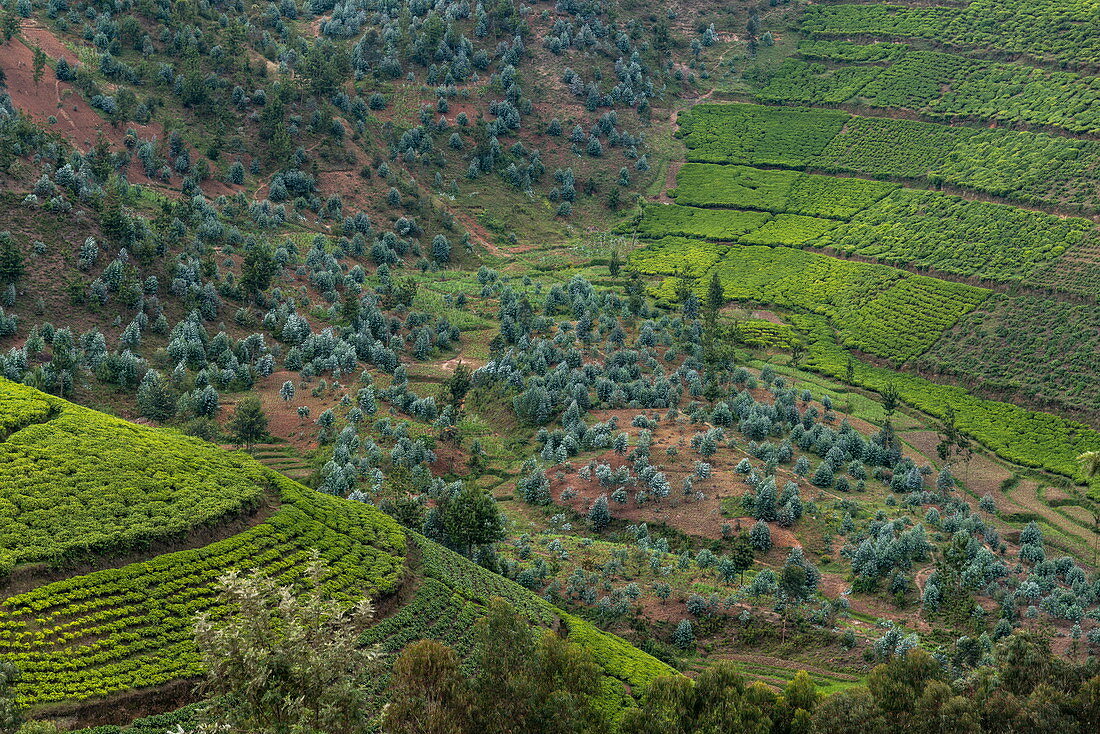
(118, 629)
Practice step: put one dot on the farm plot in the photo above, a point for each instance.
(131, 627)
(693, 257)
(742, 187)
(660, 220)
(84, 484)
(21, 406)
(756, 135)
(876, 308)
(1044, 349)
(950, 234)
(938, 85)
(1024, 167)
(888, 223)
(1064, 30)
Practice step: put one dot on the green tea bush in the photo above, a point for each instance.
(131, 627)
(1066, 30)
(84, 484)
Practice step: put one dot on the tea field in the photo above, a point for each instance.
(876, 309)
(92, 635)
(938, 85)
(1049, 351)
(881, 221)
(1064, 31)
(1020, 166)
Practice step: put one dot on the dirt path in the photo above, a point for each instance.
(478, 234)
(670, 182)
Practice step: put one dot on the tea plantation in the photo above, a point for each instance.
(1022, 166)
(94, 634)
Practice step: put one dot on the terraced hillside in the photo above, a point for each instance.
(792, 178)
(81, 635)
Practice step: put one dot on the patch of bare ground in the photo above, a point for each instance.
(769, 661)
(76, 121)
(284, 422)
(834, 585)
(693, 516)
(122, 708)
(670, 183)
(767, 316)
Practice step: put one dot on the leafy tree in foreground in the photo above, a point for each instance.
(523, 683)
(429, 694)
(853, 710)
(718, 701)
(281, 662)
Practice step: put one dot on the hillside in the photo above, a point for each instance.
(751, 333)
(127, 628)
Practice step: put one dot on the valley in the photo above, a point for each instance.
(614, 343)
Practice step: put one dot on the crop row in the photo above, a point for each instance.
(853, 53)
(1022, 436)
(1065, 30)
(801, 82)
(758, 135)
(767, 334)
(660, 220)
(1078, 272)
(941, 85)
(877, 309)
(21, 406)
(87, 484)
(888, 223)
(950, 234)
(131, 627)
(693, 257)
(727, 225)
(742, 187)
(1022, 166)
(479, 584)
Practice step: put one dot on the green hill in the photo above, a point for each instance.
(119, 629)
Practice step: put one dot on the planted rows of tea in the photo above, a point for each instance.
(938, 85)
(132, 627)
(1025, 167)
(84, 484)
(877, 309)
(884, 221)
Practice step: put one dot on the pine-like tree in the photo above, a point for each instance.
(760, 536)
(599, 514)
(683, 636)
